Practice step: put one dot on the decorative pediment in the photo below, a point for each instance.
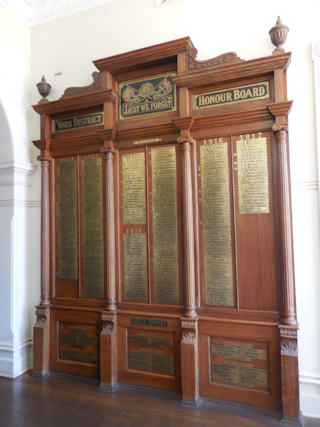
(80, 90)
(225, 58)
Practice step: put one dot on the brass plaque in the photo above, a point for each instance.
(135, 266)
(147, 141)
(133, 188)
(149, 96)
(253, 179)
(150, 340)
(66, 220)
(151, 361)
(237, 351)
(240, 376)
(232, 95)
(216, 223)
(165, 259)
(92, 241)
(149, 322)
(88, 120)
(78, 342)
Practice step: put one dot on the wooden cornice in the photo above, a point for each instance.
(76, 140)
(145, 132)
(233, 71)
(145, 57)
(76, 102)
(107, 135)
(280, 108)
(232, 118)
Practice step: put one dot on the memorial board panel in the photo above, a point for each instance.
(216, 222)
(66, 219)
(135, 266)
(253, 180)
(151, 351)
(133, 188)
(92, 241)
(165, 250)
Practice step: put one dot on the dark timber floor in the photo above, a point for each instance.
(68, 401)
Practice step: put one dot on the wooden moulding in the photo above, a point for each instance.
(76, 102)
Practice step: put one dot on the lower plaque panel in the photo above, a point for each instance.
(240, 364)
(151, 352)
(78, 343)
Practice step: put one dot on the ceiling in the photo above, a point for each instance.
(36, 12)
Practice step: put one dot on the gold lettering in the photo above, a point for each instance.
(262, 90)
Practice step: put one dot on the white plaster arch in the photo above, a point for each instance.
(14, 148)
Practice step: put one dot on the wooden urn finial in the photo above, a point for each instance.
(44, 89)
(278, 35)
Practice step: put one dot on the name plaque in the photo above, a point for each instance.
(135, 266)
(253, 177)
(232, 95)
(149, 96)
(165, 251)
(151, 362)
(133, 188)
(150, 341)
(235, 351)
(216, 222)
(149, 322)
(92, 228)
(240, 376)
(88, 120)
(67, 220)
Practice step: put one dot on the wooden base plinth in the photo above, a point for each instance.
(189, 362)
(41, 339)
(108, 351)
(289, 375)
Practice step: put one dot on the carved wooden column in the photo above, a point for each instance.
(288, 329)
(186, 141)
(108, 335)
(109, 151)
(41, 329)
(189, 323)
(288, 288)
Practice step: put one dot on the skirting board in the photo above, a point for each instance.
(15, 359)
(310, 394)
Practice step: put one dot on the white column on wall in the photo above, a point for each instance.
(18, 217)
(306, 210)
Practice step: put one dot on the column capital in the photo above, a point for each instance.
(108, 147)
(183, 123)
(185, 139)
(280, 127)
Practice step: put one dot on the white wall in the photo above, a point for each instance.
(19, 231)
(68, 46)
